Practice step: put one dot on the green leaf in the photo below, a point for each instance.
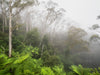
(21, 59)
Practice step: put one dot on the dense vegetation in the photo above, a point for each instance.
(38, 53)
(27, 60)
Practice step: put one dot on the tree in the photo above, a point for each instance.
(4, 6)
(75, 45)
(95, 38)
(19, 6)
(75, 41)
(98, 17)
(44, 18)
(33, 38)
(51, 16)
(95, 26)
(10, 28)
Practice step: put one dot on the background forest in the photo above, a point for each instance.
(36, 38)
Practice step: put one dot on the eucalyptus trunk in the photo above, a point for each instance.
(3, 15)
(10, 29)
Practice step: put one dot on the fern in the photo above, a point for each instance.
(46, 71)
(95, 71)
(21, 59)
(58, 70)
(24, 64)
(79, 70)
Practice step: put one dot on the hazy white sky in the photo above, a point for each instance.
(84, 12)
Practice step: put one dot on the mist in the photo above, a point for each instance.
(41, 37)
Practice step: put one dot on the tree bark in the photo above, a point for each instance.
(10, 29)
(3, 16)
(42, 50)
(5, 20)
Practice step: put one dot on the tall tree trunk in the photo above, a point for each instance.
(3, 24)
(42, 50)
(3, 16)
(26, 28)
(10, 29)
(5, 20)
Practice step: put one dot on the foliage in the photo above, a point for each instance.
(95, 37)
(95, 71)
(46, 71)
(75, 41)
(50, 59)
(3, 41)
(27, 55)
(32, 38)
(95, 26)
(59, 70)
(79, 70)
(25, 64)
